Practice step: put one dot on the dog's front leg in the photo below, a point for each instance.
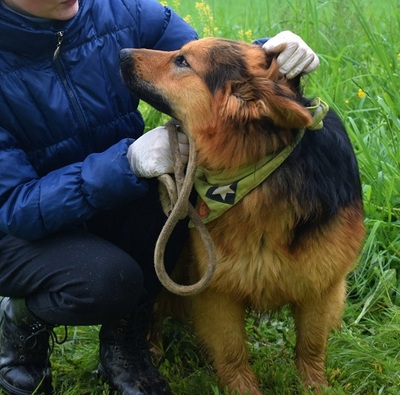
(314, 319)
(219, 324)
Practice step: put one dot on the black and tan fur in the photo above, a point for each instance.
(293, 239)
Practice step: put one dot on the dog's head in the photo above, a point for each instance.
(223, 92)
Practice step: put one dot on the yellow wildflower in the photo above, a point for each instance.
(207, 18)
(176, 4)
(188, 19)
(361, 94)
(246, 35)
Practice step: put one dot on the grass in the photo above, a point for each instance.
(359, 48)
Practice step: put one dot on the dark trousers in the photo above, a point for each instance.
(94, 274)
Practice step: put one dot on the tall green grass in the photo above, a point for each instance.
(358, 43)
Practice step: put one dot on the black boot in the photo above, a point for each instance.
(125, 359)
(24, 346)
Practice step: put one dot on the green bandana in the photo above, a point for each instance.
(220, 190)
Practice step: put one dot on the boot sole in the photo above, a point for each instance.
(11, 390)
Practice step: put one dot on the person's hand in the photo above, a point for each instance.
(150, 155)
(296, 58)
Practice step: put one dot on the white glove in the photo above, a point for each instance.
(150, 155)
(297, 58)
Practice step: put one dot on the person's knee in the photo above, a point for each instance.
(106, 292)
(114, 277)
(117, 288)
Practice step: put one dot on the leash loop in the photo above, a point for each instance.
(176, 205)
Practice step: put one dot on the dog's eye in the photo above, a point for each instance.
(180, 61)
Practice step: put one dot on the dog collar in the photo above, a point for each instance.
(220, 190)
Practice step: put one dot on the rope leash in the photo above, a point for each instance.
(176, 205)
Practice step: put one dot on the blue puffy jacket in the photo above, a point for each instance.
(66, 124)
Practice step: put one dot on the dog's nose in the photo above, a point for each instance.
(124, 55)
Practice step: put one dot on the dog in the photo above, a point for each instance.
(293, 237)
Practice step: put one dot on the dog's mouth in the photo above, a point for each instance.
(141, 88)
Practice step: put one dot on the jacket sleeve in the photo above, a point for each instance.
(261, 41)
(161, 27)
(32, 207)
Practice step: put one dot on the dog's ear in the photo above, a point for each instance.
(266, 95)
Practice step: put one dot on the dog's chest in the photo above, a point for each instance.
(249, 269)
(255, 272)
(252, 264)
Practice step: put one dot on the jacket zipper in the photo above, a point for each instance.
(60, 38)
(67, 85)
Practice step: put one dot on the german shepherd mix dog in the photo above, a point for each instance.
(294, 227)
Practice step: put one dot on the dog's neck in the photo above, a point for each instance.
(219, 190)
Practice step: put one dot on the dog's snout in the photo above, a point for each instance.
(125, 55)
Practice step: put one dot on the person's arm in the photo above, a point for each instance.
(32, 207)
(161, 27)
